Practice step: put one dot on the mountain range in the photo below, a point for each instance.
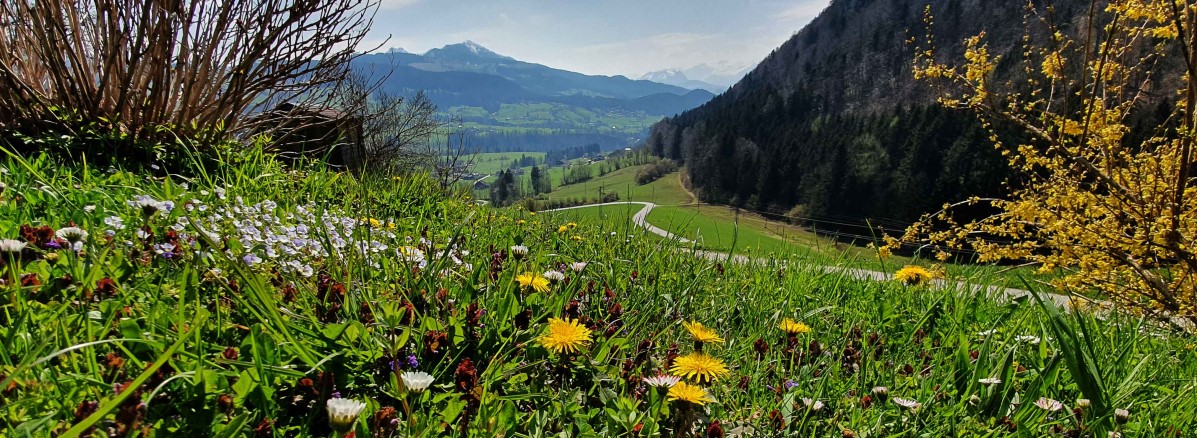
(715, 78)
(468, 74)
(497, 95)
(679, 78)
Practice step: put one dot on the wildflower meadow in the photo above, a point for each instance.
(257, 300)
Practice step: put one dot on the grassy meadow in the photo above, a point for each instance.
(240, 300)
(491, 162)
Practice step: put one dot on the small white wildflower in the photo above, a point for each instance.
(813, 405)
(577, 266)
(89, 209)
(662, 381)
(907, 403)
(554, 276)
(342, 413)
(1048, 404)
(987, 333)
(114, 222)
(519, 251)
(416, 381)
(411, 254)
(11, 246)
(1028, 339)
(990, 381)
(71, 234)
(1121, 416)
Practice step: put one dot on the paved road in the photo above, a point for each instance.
(640, 218)
(996, 292)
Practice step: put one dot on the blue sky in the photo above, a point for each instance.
(610, 37)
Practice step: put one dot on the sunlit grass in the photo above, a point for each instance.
(225, 333)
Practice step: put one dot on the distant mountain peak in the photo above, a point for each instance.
(465, 49)
(679, 78)
(664, 75)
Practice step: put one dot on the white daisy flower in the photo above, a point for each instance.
(907, 403)
(1048, 404)
(71, 234)
(662, 381)
(519, 251)
(342, 413)
(11, 246)
(554, 276)
(416, 381)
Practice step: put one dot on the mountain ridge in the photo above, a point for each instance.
(498, 95)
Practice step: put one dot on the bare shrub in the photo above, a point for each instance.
(196, 68)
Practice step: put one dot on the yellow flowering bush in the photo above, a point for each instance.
(1115, 215)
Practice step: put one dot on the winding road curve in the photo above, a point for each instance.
(641, 219)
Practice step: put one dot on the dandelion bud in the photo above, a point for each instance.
(1083, 403)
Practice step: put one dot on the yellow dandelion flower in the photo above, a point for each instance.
(572, 225)
(701, 367)
(576, 238)
(913, 275)
(521, 222)
(689, 393)
(531, 213)
(564, 336)
(562, 229)
(792, 327)
(535, 281)
(702, 333)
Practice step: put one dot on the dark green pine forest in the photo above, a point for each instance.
(833, 129)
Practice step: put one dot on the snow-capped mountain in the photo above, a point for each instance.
(679, 78)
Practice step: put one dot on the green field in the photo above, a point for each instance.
(722, 228)
(677, 212)
(665, 191)
(491, 162)
(523, 116)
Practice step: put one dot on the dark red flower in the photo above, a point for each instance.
(264, 429)
(715, 430)
(761, 348)
(466, 376)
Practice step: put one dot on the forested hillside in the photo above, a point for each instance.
(833, 125)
